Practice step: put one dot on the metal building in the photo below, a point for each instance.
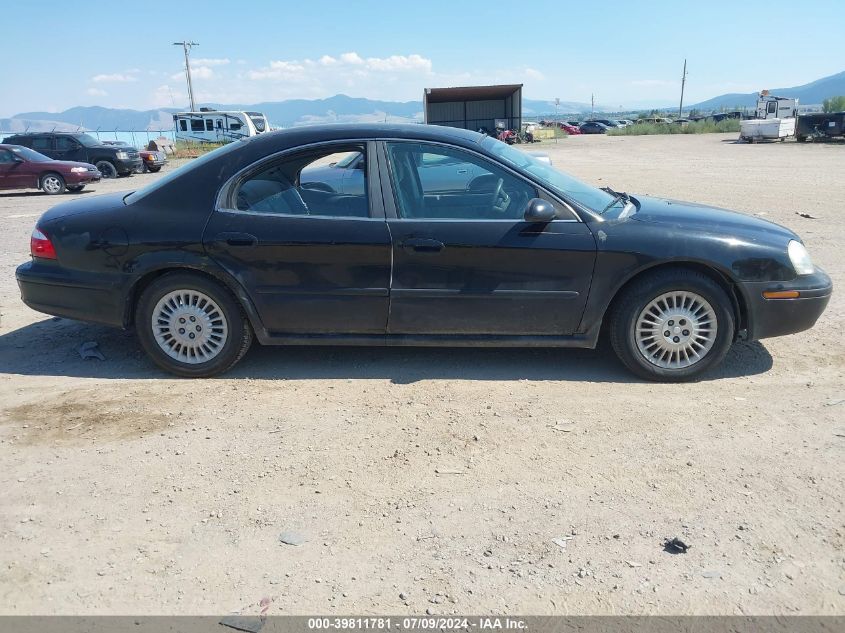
(474, 107)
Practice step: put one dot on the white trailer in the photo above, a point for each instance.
(218, 126)
(774, 119)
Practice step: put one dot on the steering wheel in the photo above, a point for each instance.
(501, 199)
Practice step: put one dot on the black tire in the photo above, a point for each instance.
(52, 184)
(107, 168)
(634, 299)
(154, 169)
(231, 349)
(75, 188)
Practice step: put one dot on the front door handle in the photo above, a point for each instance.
(421, 245)
(237, 239)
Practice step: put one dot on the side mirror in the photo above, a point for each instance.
(17, 159)
(540, 211)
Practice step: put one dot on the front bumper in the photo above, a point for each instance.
(154, 162)
(777, 317)
(127, 166)
(48, 288)
(82, 178)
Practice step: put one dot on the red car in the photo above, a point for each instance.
(569, 129)
(24, 168)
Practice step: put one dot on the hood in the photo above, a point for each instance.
(87, 204)
(699, 217)
(68, 164)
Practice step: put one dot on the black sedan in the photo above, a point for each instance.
(511, 253)
(593, 127)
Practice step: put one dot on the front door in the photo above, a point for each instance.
(313, 261)
(13, 173)
(68, 148)
(465, 261)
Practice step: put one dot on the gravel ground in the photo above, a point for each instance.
(468, 480)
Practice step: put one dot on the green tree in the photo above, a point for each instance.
(834, 104)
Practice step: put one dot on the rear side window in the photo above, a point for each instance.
(40, 144)
(307, 184)
(5, 156)
(197, 125)
(183, 125)
(63, 142)
(209, 125)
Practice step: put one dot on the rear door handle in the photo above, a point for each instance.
(237, 239)
(421, 245)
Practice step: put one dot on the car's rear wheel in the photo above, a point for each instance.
(52, 184)
(107, 168)
(191, 325)
(672, 325)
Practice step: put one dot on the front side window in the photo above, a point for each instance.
(557, 181)
(438, 182)
(281, 188)
(65, 143)
(183, 125)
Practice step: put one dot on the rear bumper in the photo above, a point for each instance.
(50, 289)
(777, 317)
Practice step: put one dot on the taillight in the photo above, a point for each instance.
(41, 246)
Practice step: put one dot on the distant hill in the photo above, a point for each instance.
(339, 108)
(811, 93)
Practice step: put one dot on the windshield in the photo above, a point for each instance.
(87, 140)
(183, 169)
(564, 184)
(30, 154)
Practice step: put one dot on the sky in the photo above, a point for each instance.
(627, 53)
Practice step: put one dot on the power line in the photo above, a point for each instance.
(186, 47)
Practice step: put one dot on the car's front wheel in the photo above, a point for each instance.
(191, 325)
(52, 184)
(672, 325)
(107, 168)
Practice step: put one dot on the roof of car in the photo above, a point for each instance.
(315, 133)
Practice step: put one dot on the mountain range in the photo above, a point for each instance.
(342, 108)
(809, 94)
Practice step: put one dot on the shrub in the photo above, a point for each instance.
(694, 127)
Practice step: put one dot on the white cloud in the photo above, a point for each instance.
(96, 92)
(113, 78)
(351, 58)
(533, 73)
(650, 83)
(211, 61)
(398, 63)
(197, 72)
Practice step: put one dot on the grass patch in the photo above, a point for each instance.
(187, 149)
(695, 127)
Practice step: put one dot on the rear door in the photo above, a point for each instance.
(44, 145)
(313, 261)
(464, 260)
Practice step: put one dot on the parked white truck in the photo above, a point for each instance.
(775, 119)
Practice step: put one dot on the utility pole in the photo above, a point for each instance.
(592, 105)
(683, 82)
(186, 47)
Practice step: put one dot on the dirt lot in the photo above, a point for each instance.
(470, 480)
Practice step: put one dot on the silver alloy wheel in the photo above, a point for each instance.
(189, 326)
(676, 330)
(51, 184)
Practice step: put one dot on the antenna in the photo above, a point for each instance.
(683, 82)
(186, 47)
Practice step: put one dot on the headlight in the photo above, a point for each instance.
(122, 156)
(800, 258)
(79, 170)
